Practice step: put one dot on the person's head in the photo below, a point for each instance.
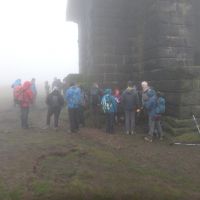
(18, 82)
(145, 85)
(95, 85)
(117, 92)
(33, 80)
(72, 84)
(108, 91)
(130, 84)
(27, 85)
(160, 94)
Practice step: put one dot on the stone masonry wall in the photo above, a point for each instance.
(154, 40)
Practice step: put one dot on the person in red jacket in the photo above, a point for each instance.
(25, 98)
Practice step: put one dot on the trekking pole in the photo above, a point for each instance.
(196, 123)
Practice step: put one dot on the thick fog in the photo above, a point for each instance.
(36, 41)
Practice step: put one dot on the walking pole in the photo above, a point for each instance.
(196, 123)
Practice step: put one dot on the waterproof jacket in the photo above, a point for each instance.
(55, 100)
(130, 99)
(17, 83)
(151, 103)
(108, 102)
(73, 97)
(95, 96)
(25, 95)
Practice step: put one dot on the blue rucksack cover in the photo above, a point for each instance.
(160, 108)
(107, 104)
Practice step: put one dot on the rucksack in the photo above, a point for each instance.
(160, 108)
(107, 103)
(55, 101)
(18, 94)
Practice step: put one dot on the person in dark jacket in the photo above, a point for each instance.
(95, 101)
(130, 101)
(55, 102)
(151, 104)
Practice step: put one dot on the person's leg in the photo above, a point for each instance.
(71, 119)
(112, 122)
(152, 127)
(159, 128)
(56, 117)
(81, 115)
(26, 113)
(49, 114)
(76, 119)
(127, 121)
(107, 123)
(22, 117)
(132, 119)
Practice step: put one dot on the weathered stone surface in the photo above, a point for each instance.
(154, 40)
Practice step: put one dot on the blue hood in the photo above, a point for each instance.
(108, 91)
(151, 93)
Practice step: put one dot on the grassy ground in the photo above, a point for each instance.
(44, 164)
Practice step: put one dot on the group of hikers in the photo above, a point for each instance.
(113, 103)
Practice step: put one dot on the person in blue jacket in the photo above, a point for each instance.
(73, 99)
(109, 106)
(150, 103)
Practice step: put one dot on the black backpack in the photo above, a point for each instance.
(55, 101)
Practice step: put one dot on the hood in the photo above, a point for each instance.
(18, 82)
(108, 91)
(27, 85)
(55, 92)
(151, 93)
(130, 90)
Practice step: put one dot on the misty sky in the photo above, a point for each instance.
(36, 41)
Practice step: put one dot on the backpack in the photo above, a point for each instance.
(160, 108)
(107, 104)
(18, 94)
(55, 101)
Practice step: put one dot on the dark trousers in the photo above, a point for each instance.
(110, 118)
(73, 119)
(81, 116)
(56, 113)
(130, 121)
(24, 117)
(95, 113)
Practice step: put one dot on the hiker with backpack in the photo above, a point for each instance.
(109, 106)
(73, 98)
(155, 106)
(130, 102)
(55, 102)
(95, 101)
(25, 98)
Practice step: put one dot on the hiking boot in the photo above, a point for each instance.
(56, 129)
(46, 127)
(161, 138)
(148, 139)
(133, 133)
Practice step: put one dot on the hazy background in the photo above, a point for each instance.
(36, 41)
